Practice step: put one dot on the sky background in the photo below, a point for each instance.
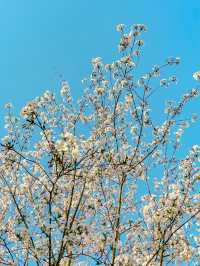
(42, 42)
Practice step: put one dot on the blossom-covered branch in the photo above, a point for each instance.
(101, 181)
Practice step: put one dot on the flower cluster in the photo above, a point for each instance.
(102, 181)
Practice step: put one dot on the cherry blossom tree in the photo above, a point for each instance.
(102, 181)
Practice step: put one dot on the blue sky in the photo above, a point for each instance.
(41, 41)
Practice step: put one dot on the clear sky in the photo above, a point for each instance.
(43, 39)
